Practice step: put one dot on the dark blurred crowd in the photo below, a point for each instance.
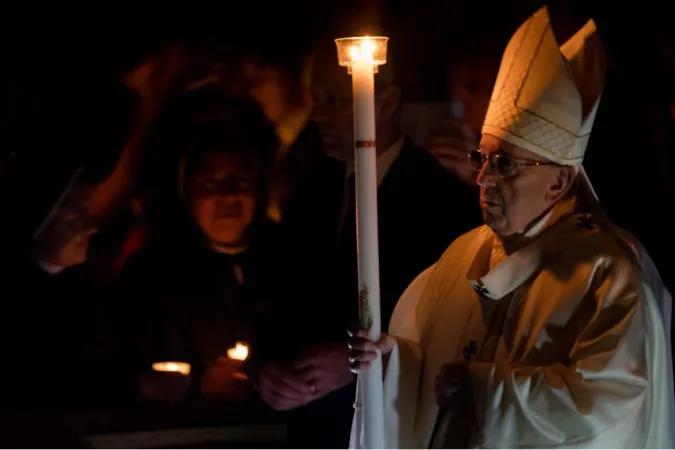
(218, 215)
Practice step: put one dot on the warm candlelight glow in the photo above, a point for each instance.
(239, 352)
(366, 49)
(171, 366)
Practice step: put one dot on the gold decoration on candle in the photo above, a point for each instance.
(364, 308)
(172, 366)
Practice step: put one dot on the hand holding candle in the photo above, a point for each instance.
(226, 377)
(236, 356)
(239, 352)
(169, 382)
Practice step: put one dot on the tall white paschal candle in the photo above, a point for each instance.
(362, 56)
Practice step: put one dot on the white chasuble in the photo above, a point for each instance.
(582, 360)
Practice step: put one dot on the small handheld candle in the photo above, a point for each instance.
(239, 352)
(172, 366)
(362, 56)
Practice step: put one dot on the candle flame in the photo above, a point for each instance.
(363, 52)
(238, 352)
(178, 367)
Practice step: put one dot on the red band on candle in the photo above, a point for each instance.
(365, 144)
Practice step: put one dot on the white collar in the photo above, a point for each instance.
(538, 226)
(557, 213)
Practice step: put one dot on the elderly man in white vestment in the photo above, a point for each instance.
(542, 328)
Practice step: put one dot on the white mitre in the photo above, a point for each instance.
(546, 97)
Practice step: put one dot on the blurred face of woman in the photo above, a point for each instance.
(222, 194)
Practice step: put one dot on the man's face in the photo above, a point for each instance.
(333, 111)
(222, 197)
(511, 203)
(65, 241)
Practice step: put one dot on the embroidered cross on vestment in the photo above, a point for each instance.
(470, 349)
(480, 288)
(586, 222)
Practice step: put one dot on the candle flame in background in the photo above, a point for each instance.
(178, 367)
(363, 52)
(238, 352)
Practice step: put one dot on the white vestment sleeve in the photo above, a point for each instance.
(661, 412)
(663, 302)
(402, 373)
(600, 399)
(651, 275)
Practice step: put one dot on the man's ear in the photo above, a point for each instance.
(388, 102)
(563, 179)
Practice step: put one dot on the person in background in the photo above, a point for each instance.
(140, 94)
(64, 329)
(143, 87)
(305, 190)
(421, 208)
(471, 76)
(195, 293)
(306, 198)
(414, 227)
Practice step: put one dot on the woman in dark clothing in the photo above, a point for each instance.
(199, 291)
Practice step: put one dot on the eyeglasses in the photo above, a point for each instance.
(501, 163)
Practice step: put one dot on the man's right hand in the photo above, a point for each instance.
(363, 351)
(450, 145)
(281, 389)
(164, 386)
(154, 77)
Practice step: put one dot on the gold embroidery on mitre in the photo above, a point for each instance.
(545, 97)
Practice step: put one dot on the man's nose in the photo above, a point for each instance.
(486, 177)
